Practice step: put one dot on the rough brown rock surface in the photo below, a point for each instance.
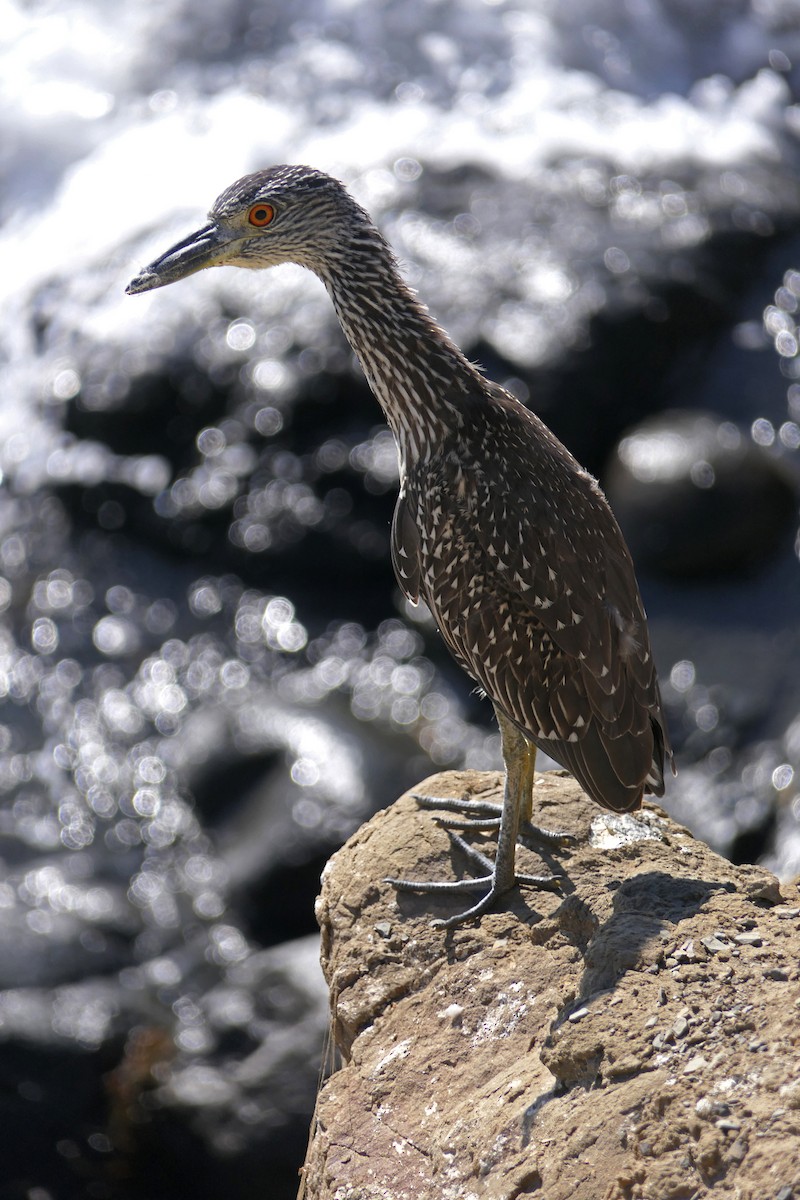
(637, 1036)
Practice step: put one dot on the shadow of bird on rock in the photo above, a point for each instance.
(645, 909)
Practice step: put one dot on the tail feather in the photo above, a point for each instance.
(615, 772)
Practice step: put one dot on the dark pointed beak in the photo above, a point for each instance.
(206, 247)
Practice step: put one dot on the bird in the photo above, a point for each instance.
(497, 528)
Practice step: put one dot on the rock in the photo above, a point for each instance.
(184, 1069)
(535, 1052)
(696, 496)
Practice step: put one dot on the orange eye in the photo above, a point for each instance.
(261, 215)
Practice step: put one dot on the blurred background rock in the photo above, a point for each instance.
(209, 675)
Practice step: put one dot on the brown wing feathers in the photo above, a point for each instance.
(533, 588)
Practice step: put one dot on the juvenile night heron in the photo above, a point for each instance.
(497, 528)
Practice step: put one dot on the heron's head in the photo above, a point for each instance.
(283, 214)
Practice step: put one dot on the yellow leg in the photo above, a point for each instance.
(517, 748)
(517, 797)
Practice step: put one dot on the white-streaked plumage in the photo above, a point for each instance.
(497, 528)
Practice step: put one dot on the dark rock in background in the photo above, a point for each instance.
(696, 496)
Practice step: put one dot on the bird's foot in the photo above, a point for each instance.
(495, 889)
(484, 814)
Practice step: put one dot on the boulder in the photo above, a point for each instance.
(635, 1036)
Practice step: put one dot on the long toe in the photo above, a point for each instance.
(474, 809)
(484, 823)
(456, 887)
(550, 838)
(451, 887)
(545, 883)
(477, 910)
(485, 814)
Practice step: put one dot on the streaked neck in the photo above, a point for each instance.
(418, 375)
